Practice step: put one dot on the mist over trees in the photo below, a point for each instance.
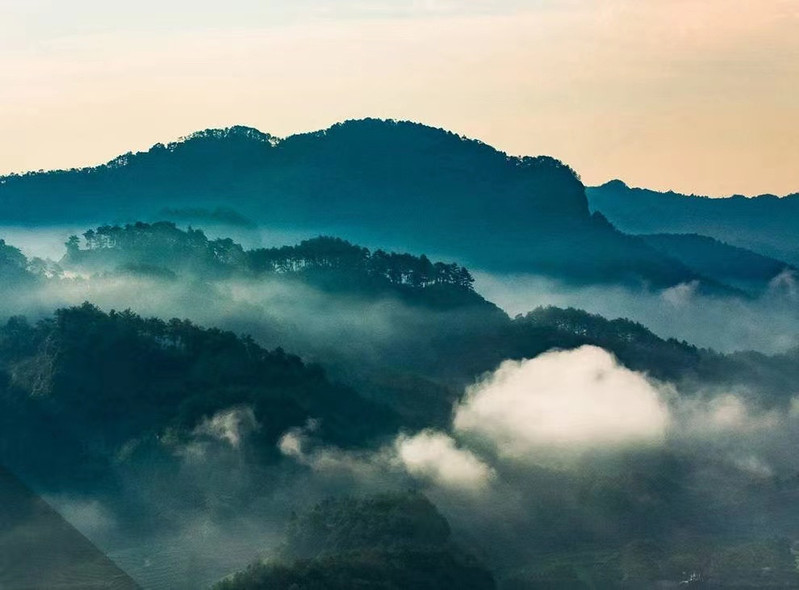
(104, 380)
(340, 416)
(228, 425)
(326, 262)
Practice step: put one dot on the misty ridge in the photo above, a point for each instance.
(370, 181)
(543, 402)
(765, 224)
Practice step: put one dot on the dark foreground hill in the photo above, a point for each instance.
(766, 224)
(387, 542)
(373, 181)
(39, 549)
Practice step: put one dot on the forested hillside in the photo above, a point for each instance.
(392, 541)
(104, 380)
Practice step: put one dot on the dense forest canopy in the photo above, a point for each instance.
(106, 379)
(13, 263)
(391, 541)
(331, 264)
(164, 242)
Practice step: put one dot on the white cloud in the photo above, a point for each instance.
(563, 401)
(785, 283)
(429, 456)
(229, 425)
(725, 416)
(434, 456)
(680, 295)
(290, 444)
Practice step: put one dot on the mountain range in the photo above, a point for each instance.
(766, 224)
(426, 436)
(371, 181)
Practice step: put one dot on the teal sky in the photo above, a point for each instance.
(694, 95)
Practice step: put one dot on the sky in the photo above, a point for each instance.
(698, 96)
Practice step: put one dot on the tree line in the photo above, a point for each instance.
(164, 242)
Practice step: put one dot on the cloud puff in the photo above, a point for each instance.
(785, 283)
(230, 425)
(564, 400)
(430, 456)
(725, 414)
(435, 456)
(680, 295)
(365, 466)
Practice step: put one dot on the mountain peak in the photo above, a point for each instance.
(615, 184)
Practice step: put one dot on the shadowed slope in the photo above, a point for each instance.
(39, 549)
(766, 224)
(721, 262)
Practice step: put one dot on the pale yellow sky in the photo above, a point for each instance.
(697, 96)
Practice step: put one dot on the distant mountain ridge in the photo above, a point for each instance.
(371, 181)
(766, 224)
(730, 265)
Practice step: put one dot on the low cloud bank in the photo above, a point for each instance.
(566, 401)
(570, 433)
(769, 323)
(435, 456)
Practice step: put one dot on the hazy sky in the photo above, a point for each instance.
(696, 95)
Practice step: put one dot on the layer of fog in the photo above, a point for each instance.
(530, 438)
(564, 408)
(276, 312)
(221, 510)
(519, 439)
(39, 242)
(769, 324)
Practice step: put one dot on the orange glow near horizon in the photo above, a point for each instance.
(695, 96)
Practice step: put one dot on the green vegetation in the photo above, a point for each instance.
(115, 405)
(388, 542)
(105, 379)
(332, 264)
